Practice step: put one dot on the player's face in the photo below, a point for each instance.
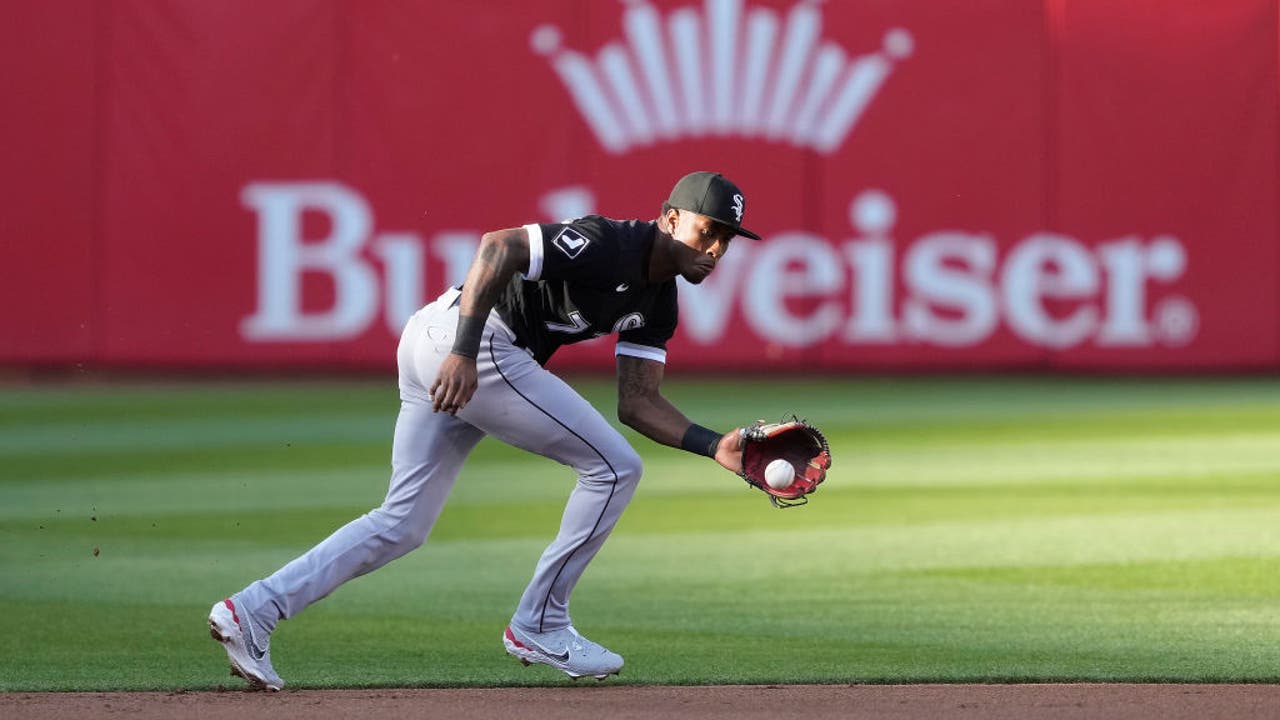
(701, 241)
(700, 233)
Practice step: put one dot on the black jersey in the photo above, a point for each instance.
(590, 277)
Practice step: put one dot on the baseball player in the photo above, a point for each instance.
(471, 364)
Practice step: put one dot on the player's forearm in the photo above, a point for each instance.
(654, 417)
(501, 254)
(641, 406)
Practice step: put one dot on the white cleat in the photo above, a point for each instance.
(247, 661)
(564, 650)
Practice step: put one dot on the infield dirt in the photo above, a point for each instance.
(784, 702)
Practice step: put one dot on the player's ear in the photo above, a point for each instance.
(670, 219)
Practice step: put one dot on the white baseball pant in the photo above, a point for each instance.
(518, 402)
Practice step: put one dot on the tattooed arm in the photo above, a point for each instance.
(501, 255)
(642, 408)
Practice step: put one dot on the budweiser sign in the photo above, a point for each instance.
(941, 186)
(948, 288)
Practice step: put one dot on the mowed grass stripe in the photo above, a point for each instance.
(108, 466)
(486, 501)
(108, 403)
(781, 554)
(296, 522)
(965, 454)
(874, 401)
(1050, 460)
(158, 435)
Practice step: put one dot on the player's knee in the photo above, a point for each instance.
(628, 466)
(398, 529)
(409, 537)
(618, 464)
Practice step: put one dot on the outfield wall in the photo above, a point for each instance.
(995, 184)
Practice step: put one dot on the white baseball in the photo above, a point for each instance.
(779, 474)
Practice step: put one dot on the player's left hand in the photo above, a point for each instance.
(797, 444)
(729, 451)
(454, 385)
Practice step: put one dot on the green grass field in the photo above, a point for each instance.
(972, 529)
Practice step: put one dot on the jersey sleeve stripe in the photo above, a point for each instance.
(641, 351)
(535, 252)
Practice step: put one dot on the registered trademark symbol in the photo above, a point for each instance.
(1176, 321)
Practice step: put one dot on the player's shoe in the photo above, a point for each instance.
(247, 659)
(564, 650)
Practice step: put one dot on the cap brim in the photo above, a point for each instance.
(737, 229)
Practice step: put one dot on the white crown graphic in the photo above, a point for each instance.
(768, 77)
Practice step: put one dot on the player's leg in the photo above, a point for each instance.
(427, 454)
(527, 406)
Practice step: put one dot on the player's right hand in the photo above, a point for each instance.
(454, 385)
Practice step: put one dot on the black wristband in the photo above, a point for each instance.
(466, 342)
(700, 441)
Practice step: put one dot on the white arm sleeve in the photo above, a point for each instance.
(535, 252)
(641, 351)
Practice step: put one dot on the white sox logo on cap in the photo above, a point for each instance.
(737, 207)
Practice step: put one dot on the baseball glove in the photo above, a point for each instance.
(796, 441)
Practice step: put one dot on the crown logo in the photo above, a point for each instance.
(721, 72)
